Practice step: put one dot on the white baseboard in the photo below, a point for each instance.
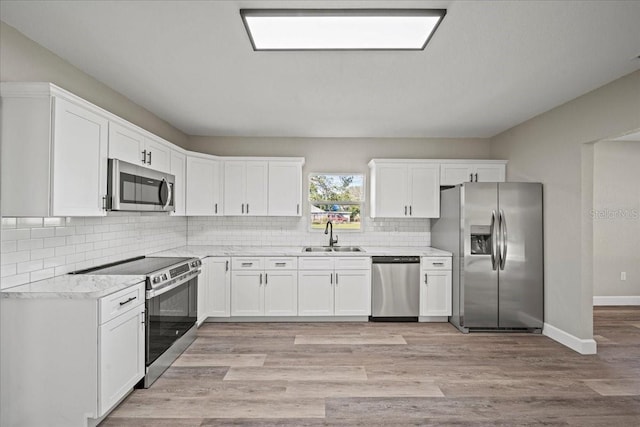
(579, 345)
(617, 300)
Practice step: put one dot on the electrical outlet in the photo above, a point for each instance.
(623, 275)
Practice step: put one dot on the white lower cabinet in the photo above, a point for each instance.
(315, 293)
(339, 286)
(264, 286)
(214, 288)
(121, 356)
(71, 369)
(435, 287)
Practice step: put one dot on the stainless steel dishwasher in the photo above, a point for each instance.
(395, 288)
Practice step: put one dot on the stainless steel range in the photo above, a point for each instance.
(171, 306)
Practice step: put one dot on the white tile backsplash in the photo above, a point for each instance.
(39, 248)
(271, 231)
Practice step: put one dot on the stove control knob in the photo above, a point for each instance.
(164, 276)
(156, 279)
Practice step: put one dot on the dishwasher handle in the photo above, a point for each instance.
(395, 260)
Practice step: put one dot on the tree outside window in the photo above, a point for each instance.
(337, 198)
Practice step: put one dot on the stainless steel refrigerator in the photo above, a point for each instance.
(494, 231)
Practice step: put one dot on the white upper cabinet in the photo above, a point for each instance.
(128, 144)
(404, 189)
(178, 169)
(285, 188)
(203, 185)
(54, 152)
(245, 187)
(455, 173)
(158, 154)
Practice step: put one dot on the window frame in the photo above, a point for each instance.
(361, 203)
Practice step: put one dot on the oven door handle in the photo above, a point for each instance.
(151, 293)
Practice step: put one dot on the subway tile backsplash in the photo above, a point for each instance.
(270, 231)
(40, 248)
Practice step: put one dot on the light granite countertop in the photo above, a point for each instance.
(73, 286)
(84, 286)
(202, 251)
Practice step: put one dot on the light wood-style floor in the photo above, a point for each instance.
(313, 374)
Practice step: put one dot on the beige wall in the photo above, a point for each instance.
(616, 218)
(22, 59)
(549, 149)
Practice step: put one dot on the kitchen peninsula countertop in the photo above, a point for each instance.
(73, 286)
(202, 251)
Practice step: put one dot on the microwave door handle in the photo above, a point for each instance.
(169, 193)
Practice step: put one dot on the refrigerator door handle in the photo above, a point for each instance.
(494, 241)
(503, 239)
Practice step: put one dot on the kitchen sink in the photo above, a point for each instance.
(317, 249)
(332, 249)
(347, 249)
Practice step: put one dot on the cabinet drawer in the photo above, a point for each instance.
(315, 263)
(436, 263)
(120, 302)
(254, 263)
(288, 263)
(353, 263)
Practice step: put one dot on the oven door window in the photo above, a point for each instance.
(170, 316)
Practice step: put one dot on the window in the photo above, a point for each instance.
(337, 198)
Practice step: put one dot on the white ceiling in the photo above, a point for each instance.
(490, 65)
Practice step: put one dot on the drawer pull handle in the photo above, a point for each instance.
(127, 301)
(281, 264)
(438, 263)
(247, 264)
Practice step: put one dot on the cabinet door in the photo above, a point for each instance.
(202, 182)
(219, 282)
(280, 293)
(179, 170)
(285, 189)
(455, 173)
(247, 293)
(352, 292)
(158, 155)
(490, 173)
(424, 185)
(257, 187)
(79, 161)
(435, 293)
(121, 362)
(315, 293)
(204, 280)
(234, 187)
(126, 144)
(391, 191)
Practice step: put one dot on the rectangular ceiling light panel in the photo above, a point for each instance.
(344, 29)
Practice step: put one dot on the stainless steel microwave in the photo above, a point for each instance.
(135, 188)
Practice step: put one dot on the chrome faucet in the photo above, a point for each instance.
(328, 229)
